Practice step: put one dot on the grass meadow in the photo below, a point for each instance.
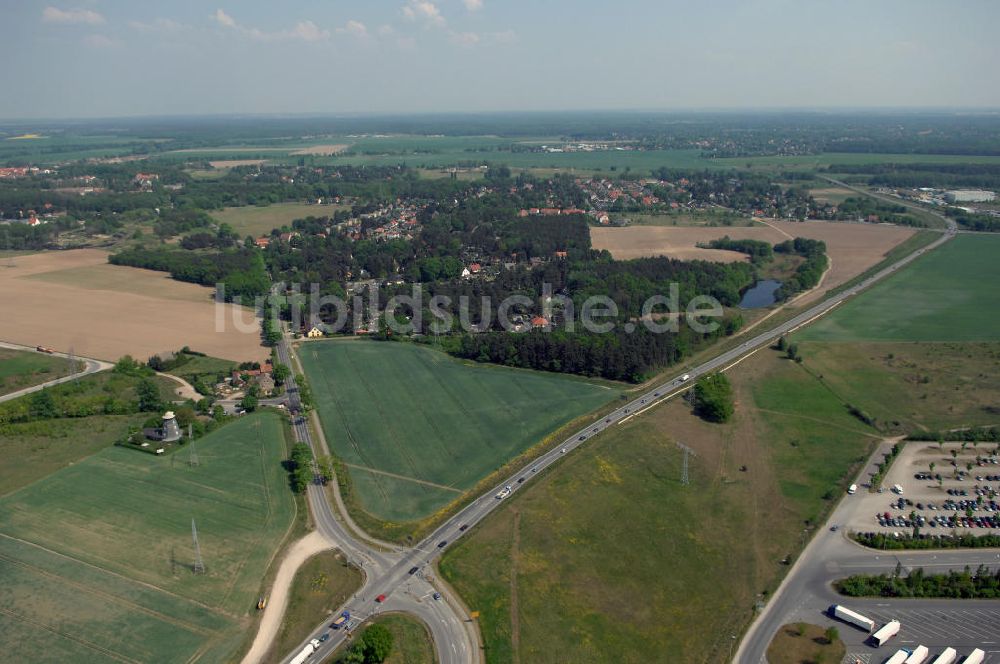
(260, 220)
(949, 294)
(608, 558)
(21, 368)
(98, 556)
(418, 428)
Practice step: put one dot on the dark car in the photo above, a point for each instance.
(413, 570)
(520, 479)
(442, 544)
(463, 526)
(324, 637)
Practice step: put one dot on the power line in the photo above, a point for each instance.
(685, 479)
(199, 564)
(193, 453)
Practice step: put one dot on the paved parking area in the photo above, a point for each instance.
(963, 627)
(917, 458)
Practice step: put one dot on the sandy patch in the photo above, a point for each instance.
(74, 299)
(853, 248)
(277, 602)
(321, 150)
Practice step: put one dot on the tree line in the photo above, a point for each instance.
(981, 584)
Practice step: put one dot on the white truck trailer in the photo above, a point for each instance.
(886, 632)
(975, 657)
(306, 652)
(898, 657)
(920, 653)
(947, 657)
(853, 618)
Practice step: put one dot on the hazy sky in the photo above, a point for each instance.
(125, 57)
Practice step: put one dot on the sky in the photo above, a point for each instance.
(110, 58)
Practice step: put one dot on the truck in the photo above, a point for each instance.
(340, 620)
(885, 632)
(853, 618)
(306, 652)
(898, 657)
(977, 656)
(947, 657)
(919, 655)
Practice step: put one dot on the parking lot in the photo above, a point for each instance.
(963, 627)
(940, 488)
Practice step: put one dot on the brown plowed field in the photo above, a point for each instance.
(852, 248)
(75, 299)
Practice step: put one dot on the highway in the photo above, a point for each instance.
(92, 366)
(387, 573)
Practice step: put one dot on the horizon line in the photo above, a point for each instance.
(720, 110)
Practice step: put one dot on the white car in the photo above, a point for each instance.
(504, 492)
(685, 377)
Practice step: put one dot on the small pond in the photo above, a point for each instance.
(761, 295)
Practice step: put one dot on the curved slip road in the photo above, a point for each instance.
(92, 366)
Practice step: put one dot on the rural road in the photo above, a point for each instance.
(92, 366)
(388, 573)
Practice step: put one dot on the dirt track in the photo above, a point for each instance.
(75, 300)
(853, 248)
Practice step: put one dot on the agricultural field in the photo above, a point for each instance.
(260, 220)
(711, 219)
(20, 369)
(609, 558)
(949, 294)
(851, 248)
(825, 193)
(834, 159)
(417, 428)
(44, 150)
(106, 311)
(107, 542)
(322, 584)
(611, 160)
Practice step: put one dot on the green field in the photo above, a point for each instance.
(411, 642)
(909, 386)
(813, 162)
(417, 428)
(20, 369)
(949, 294)
(608, 558)
(98, 556)
(251, 220)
